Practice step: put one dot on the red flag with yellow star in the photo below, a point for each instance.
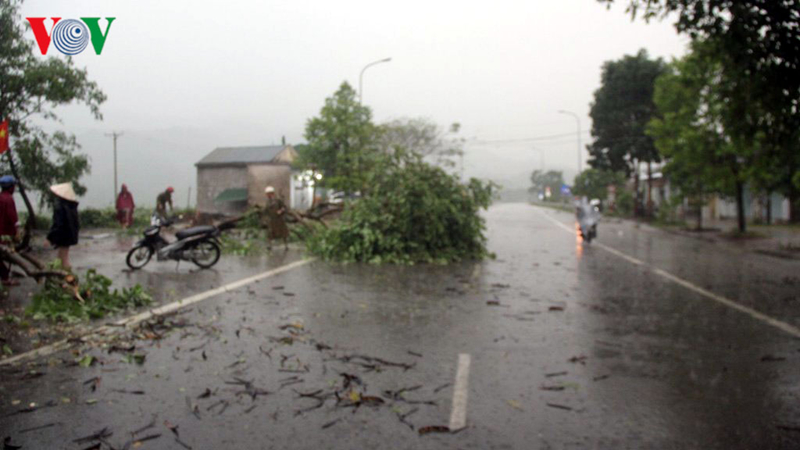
(3, 136)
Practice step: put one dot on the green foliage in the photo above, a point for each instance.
(30, 87)
(621, 109)
(594, 183)
(552, 179)
(623, 203)
(416, 212)
(243, 244)
(341, 142)
(755, 45)
(98, 218)
(691, 133)
(57, 303)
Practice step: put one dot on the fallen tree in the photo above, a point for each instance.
(413, 212)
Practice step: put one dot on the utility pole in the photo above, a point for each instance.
(115, 135)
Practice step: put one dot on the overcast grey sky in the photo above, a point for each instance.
(183, 77)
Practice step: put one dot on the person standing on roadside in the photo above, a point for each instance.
(125, 207)
(275, 212)
(8, 224)
(64, 231)
(164, 199)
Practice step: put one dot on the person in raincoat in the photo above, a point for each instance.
(64, 231)
(588, 216)
(275, 215)
(125, 207)
(8, 223)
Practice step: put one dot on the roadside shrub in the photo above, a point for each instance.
(624, 203)
(414, 212)
(56, 301)
(97, 218)
(43, 221)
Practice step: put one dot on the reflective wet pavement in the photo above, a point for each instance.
(571, 346)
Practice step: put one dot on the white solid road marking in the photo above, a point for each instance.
(458, 414)
(130, 322)
(783, 326)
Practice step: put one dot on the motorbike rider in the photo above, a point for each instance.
(588, 215)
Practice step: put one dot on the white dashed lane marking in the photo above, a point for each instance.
(783, 326)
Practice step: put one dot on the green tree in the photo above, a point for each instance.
(541, 181)
(620, 111)
(757, 45)
(31, 88)
(593, 183)
(415, 212)
(702, 158)
(341, 142)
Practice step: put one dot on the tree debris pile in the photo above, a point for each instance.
(414, 212)
(69, 300)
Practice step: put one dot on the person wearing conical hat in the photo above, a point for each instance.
(64, 231)
(275, 212)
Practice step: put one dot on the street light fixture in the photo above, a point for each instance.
(361, 76)
(578, 122)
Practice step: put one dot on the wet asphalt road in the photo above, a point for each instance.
(577, 348)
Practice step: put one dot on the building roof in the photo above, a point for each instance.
(264, 154)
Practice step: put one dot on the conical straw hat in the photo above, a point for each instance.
(64, 190)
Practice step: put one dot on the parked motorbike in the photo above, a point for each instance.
(197, 244)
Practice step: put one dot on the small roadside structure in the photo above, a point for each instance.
(229, 179)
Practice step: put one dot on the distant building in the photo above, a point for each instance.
(229, 179)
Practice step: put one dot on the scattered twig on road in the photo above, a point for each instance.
(600, 378)
(123, 391)
(556, 405)
(398, 394)
(555, 374)
(40, 427)
(194, 409)
(433, 429)
(249, 388)
(96, 436)
(371, 360)
(331, 423)
(444, 386)
(578, 359)
(403, 417)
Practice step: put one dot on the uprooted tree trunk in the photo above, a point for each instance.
(30, 222)
(34, 268)
(30, 266)
(296, 216)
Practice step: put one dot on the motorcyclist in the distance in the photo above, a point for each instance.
(588, 215)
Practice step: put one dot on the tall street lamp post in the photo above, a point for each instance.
(578, 122)
(361, 76)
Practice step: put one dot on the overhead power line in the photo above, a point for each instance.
(530, 139)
